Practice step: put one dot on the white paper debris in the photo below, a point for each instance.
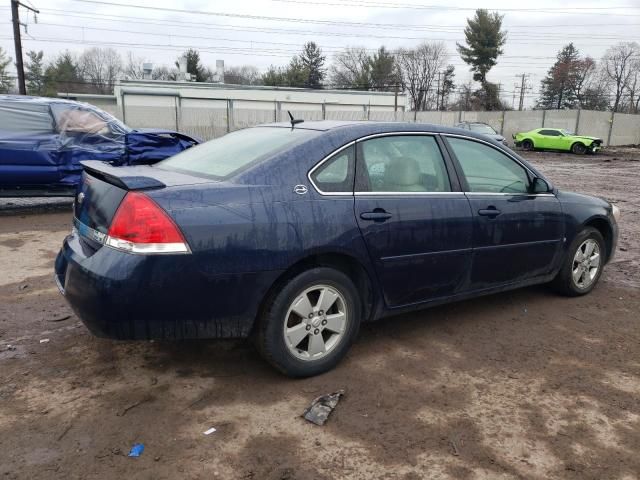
(210, 431)
(44, 340)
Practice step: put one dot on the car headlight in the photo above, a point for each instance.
(615, 211)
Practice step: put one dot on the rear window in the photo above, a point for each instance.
(225, 156)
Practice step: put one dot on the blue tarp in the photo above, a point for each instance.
(43, 141)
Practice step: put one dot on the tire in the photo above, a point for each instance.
(565, 282)
(527, 145)
(579, 148)
(293, 354)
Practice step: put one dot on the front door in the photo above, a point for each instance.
(415, 221)
(517, 234)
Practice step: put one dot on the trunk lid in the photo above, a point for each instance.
(104, 186)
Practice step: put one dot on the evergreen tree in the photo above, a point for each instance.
(5, 82)
(384, 71)
(446, 87)
(63, 75)
(34, 74)
(194, 67)
(485, 39)
(560, 86)
(312, 62)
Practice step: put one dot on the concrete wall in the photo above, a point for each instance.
(209, 117)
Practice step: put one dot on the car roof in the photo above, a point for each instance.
(27, 99)
(366, 126)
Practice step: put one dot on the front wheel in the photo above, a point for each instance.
(527, 145)
(308, 326)
(583, 265)
(579, 149)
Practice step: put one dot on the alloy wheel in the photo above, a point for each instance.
(586, 264)
(316, 322)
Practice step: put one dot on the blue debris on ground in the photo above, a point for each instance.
(136, 450)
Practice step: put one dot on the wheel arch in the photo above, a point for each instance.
(575, 142)
(604, 227)
(345, 263)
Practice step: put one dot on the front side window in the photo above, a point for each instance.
(336, 174)
(488, 170)
(401, 163)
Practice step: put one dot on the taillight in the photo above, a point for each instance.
(141, 226)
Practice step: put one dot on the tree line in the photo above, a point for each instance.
(422, 72)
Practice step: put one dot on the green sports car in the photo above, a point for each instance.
(557, 139)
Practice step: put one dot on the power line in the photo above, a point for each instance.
(369, 4)
(270, 52)
(328, 48)
(306, 33)
(439, 28)
(269, 18)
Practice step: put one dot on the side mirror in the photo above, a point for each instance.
(540, 185)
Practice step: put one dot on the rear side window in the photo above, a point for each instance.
(401, 163)
(487, 170)
(25, 118)
(336, 174)
(228, 155)
(550, 133)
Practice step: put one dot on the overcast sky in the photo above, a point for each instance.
(224, 30)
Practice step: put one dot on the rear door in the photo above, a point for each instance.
(415, 221)
(517, 234)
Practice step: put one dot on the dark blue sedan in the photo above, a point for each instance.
(296, 235)
(43, 140)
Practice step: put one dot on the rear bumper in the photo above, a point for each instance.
(136, 297)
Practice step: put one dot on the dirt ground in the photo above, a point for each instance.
(525, 384)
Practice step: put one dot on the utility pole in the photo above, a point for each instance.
(513, 100)
(15, 17)
(395, 99)
(522, 89)
(438, 93)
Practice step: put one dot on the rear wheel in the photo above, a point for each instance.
(309, 324)
(579, 148)
(527, 145)
(583, 265)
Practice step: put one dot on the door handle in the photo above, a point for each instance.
(378, 215)
(490, 212)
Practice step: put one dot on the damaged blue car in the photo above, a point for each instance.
(43, 141)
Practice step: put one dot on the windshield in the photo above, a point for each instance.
(482, 128)
(225, 156)
(566, 133)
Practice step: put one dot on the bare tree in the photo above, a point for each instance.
(133, 67)
(164, 73)
(419, 68)
(243, 75)
(101, 67)
(633, 87)
(617, 63)
(581, 75)
(351, 68)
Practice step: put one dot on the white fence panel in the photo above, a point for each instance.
(561, 119)
(626, 129)
(206, 119)
(594, 124)
(142, 111)
(520, 121)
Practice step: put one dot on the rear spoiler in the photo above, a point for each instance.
(125, 178)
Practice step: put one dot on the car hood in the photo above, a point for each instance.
(579, 198)
(584, 137)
